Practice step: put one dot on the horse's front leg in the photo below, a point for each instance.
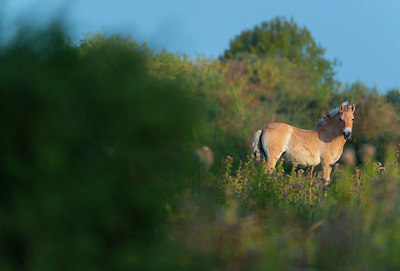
(326, 172)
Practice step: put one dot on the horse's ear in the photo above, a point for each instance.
(353, 107)
(341, 108)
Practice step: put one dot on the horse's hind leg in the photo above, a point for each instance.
(273, 155)
(271, 164)
(275, 147)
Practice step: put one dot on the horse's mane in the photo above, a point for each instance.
(329, 115)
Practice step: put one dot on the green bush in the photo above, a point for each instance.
(93, 148)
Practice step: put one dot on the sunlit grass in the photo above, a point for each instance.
(286, 220)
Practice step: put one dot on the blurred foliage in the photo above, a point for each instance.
(291, 221)
(92, 149)
(98, 173)
(393, 97)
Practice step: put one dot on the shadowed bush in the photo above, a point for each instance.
(92, 149)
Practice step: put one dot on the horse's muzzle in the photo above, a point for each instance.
(346, 135)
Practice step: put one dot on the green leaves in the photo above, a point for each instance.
(92, 148)
(283, 39)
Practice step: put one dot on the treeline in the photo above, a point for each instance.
(275, 72)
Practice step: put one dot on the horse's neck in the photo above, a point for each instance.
(333, 130)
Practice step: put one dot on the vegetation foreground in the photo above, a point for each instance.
(98, 171)
(292, 221)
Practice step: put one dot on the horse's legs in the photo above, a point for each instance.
(272, 159)
(271, 164)
(326, 172)
(274, 143)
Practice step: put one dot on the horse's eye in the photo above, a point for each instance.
(352, 119)
(341, 120)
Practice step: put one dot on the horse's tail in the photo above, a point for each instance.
(259, 150)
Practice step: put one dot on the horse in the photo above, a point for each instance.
(324, 144)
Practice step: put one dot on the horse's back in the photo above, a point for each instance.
(280, 128)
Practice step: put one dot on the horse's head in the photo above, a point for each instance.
(346, 117)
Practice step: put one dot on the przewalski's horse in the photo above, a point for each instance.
(322, 145)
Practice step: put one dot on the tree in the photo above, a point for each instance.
(280, 38)
(393, 97)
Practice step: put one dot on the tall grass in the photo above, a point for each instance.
(291, 221)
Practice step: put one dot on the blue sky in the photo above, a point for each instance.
(364, 35)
